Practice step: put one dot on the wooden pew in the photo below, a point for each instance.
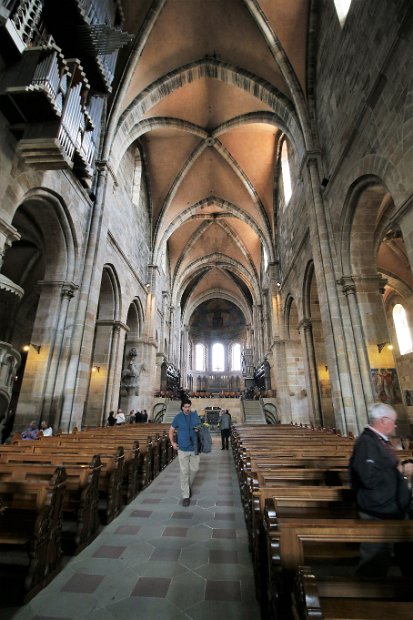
(330, 543)
(346, 598)
(315, 502)
(80, 504)
(30, 531)
(111, 474)
(137, 468)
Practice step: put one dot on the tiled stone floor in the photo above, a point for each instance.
(160, 560)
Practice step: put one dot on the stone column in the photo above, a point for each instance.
(258, 339)
(306, 327)
(184, 356)
(58, 355)
(342, 395)
(45, 373)
(82, 337)
(9, 363)
(405, 222)
(8, 234)
(164, 323)
(115, 363)
(356, 338)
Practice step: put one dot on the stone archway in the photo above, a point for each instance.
(102, 379)
(42, 263)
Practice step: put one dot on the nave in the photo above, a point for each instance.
(160, 560)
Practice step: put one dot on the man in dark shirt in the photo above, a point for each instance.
(381, 485)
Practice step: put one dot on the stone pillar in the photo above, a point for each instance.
(9, 363)
(8, 234)
(406, 228)
(42, 390)
(306, 327)
(362, 385)
(58, 296)
(115, 363)
(342, 395)
(184, 356)
(164, 323)
(82, 338)
(258, 325)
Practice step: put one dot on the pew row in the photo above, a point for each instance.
(30, 533)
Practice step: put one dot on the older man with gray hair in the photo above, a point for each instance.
(381, 484)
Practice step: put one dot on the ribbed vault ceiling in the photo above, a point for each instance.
(191, 97)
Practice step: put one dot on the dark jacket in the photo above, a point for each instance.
(204, 443)
(380, 488)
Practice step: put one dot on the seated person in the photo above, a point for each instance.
(46, 429)
(120, 417)
(31, 431)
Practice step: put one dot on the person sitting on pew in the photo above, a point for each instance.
(31, 431)
(111, 418)
(46, 430)
(382, 488)
(120, 417)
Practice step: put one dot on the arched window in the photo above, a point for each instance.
(218, 357)
(200, 357)
(236, 357)
(264, 257)
(403, 334)
(342, 8)
(286, 175)
(137, 176)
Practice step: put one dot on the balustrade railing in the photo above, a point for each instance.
(26, 17)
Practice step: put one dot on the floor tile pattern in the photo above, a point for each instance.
(159, 559)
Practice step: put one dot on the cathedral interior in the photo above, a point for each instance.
(212, 197)
(209, 199)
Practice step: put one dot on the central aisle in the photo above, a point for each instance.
(161, 560)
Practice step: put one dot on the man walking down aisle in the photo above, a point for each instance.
(185, 423)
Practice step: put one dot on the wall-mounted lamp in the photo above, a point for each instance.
(278, 284)
(95, 368)
(35, 346)
(147, 284)
(381, 345)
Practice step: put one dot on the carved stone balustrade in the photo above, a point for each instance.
(9, 363)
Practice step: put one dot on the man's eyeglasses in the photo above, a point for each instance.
(391, 420)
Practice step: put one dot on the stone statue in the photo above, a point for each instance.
(131, 373)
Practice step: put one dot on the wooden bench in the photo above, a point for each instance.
(30, 533)
(137, 468)
(315, 502)
(347, 598)
(80, 504)
(111, 474)
(332, 544)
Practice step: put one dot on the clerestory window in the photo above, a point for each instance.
(404, 338)
(200, 357)
(342, 9)
(286, 174)
(218, 357)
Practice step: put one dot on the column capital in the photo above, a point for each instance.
(117, 326)
(306, 324)
(366, 282)
(67, 289)
(310, 158)
(347, 284)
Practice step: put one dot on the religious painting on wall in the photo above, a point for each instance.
(386, 385)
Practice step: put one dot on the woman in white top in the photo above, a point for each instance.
(46, 430)
(120, 417)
